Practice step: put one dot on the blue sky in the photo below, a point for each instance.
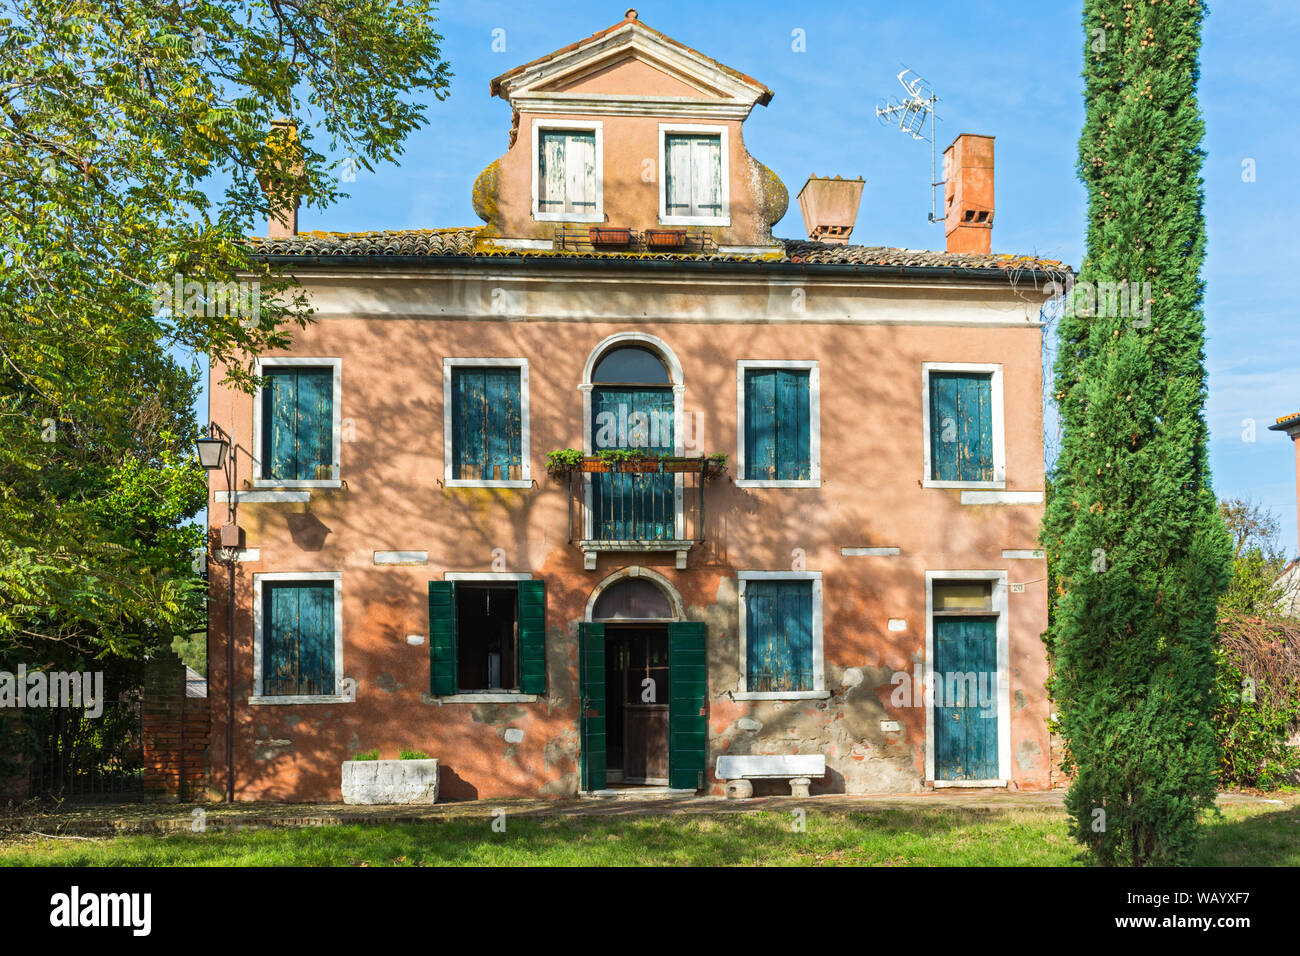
(1006, 69)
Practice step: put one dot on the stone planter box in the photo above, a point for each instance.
(390, 781)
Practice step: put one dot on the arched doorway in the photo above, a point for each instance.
(638, 657)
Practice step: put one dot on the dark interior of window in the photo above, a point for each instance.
(486, 634)
(630, 365)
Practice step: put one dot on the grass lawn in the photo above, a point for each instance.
(1253, 834)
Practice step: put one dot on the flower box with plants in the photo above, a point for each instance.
(411, 779)
(564, 461)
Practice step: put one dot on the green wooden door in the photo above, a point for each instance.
(965, 698)
(592, 705)
(633, 507)
(687, 698)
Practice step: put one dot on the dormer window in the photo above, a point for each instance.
(694, 188)
(567, 178)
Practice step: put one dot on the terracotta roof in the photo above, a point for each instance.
(631, 17)
(1285, 422)
(466, 241)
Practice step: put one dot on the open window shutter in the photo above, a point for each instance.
(442, 638)
(591, 686)
(687, 694)
(532, 637)
(792, 435)
(760, 424)
(280, 415)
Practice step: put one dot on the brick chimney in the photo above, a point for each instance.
(1289, 425)
(283, 220)
(968, 194)
(830, 207)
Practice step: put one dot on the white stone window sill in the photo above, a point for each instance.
(695, 220)
(989, 485)
(261, 699)
(778, 483)
(598, 216)
(490, 698)
(490, 483)
(272, 483)
(783, 695)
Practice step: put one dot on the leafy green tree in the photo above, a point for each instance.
(138, 146)
(1132, 529)
(1257, 560)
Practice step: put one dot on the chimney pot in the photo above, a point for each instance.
(968, 194)
(830, 207)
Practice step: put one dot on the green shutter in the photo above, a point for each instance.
(961, 426)
(688, 723)
(442, 638)
(592, 709)
(532, 637)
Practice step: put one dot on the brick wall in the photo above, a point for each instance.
(176, 731)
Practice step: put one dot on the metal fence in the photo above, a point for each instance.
(78, 757)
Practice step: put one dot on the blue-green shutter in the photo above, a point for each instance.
(442, 638)
(966, 733)
(298, 640)
(634, 507)
(778, 436)
(778, 636)
(298, 417)
(961, 426)
(487, 417)
(688, 722)
(591, 689)
(532, 637)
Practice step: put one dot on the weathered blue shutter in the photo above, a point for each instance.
(316, 639)
(532, 637)
(778, 624)
(760, 424)
(687, 699)
(487, 416)
(315, 425)
(469, 419)
(442, 638)
(591, 690)
(961, 426)
(279, 642)
(280, 416)
(793, 439)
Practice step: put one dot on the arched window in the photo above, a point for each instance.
(630, 365)
(632, 599)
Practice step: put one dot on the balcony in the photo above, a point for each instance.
(635, 503)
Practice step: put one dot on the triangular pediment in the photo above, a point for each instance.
(628, 66)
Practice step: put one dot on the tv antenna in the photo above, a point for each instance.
(910, 113)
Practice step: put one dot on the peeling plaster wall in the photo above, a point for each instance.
(871, 496)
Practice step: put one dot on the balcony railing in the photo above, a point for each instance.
(637, 504)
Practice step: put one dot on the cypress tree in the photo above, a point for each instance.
(1132, 526)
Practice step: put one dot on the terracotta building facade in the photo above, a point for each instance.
(617, 483)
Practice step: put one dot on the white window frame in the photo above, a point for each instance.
(998, 605)
(577, 126)
(819, 691)
(448, 468)
(259, 625)
(999, 440)
(336, 365)
(489, 697)
(814, 425)
(688, 129)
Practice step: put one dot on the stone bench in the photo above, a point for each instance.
(799, 769)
